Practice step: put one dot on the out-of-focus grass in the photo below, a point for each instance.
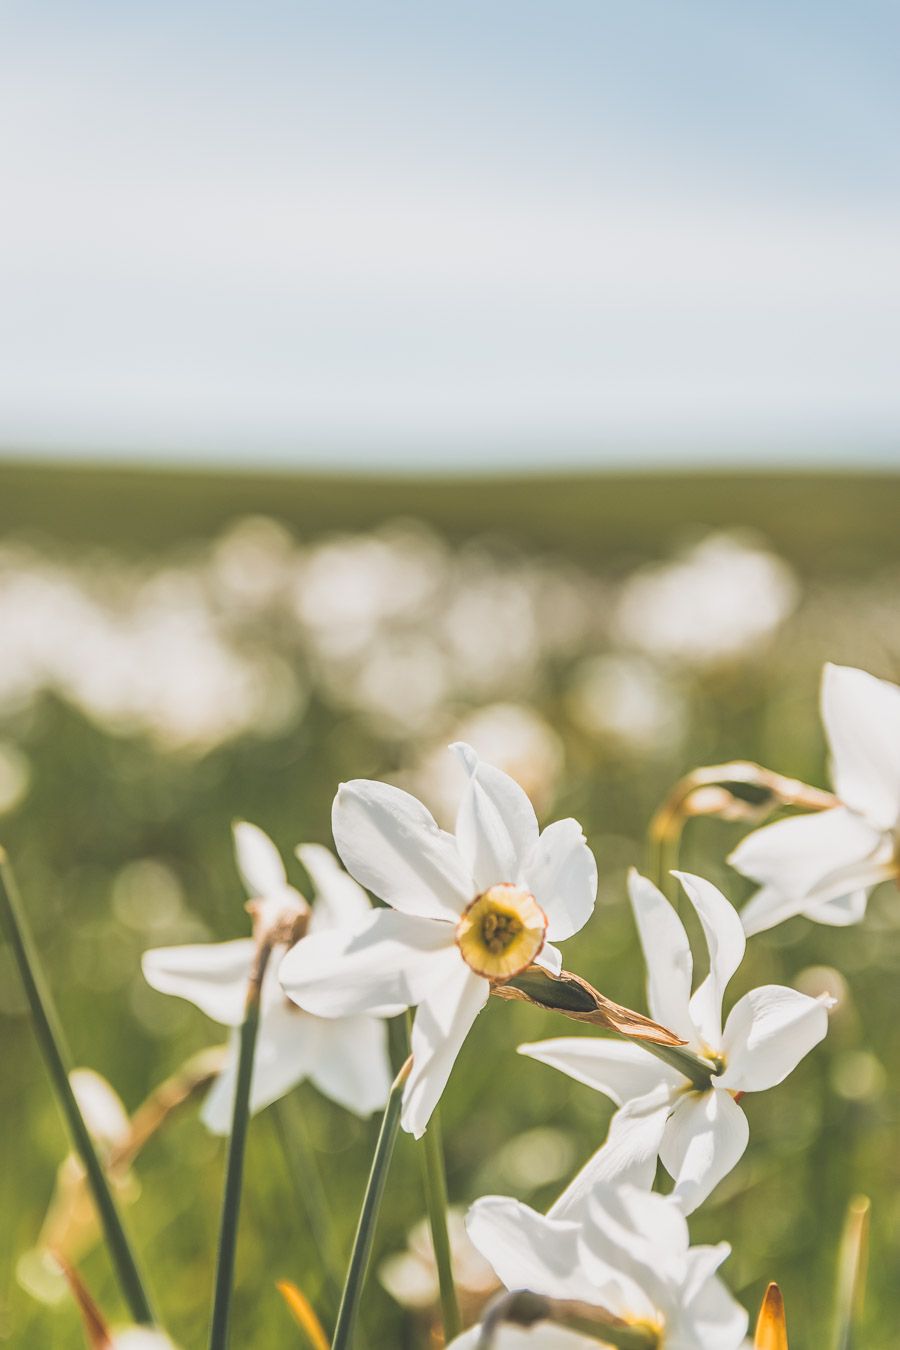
(99, 804)
(836, 522)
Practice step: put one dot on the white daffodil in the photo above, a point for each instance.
(824, 865)
(347, 1058)
(699, 1134)
(466, 910)
(629, 1255)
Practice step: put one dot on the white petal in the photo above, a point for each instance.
(561, 873)
(393, 846)
(496, 826)
(769, 907)
(628, 1157)
(667, 954)
(212, 975)
(767, 1034)
(539, 1336)
(287, 1048)
(619, 1069)
(549, 958)
(102, 1108)
(712, 1318)
(354, 1069)
(386, 960)
(862, 722)
(726, 943)
(141, 1338)
(258, 860)
(840, 912)
(642, 1235)
(802, 857)
(527, 1249)
(704, 1139)
(339, 900)
(443, 1020)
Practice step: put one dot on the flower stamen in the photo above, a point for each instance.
(501, 932)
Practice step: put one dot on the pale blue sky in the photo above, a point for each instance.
(418, 234)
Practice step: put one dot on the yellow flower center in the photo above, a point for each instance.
(501, 932)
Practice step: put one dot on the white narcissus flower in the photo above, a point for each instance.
(699, 1135)
(466, 909)
(629, 1255)
(346, 1058)
(824, 865)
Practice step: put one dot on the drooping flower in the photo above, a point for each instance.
(466, 910)
(824, 865)
(699, 1134)
(71, 1226)
(346, 1058)
(628, 1256)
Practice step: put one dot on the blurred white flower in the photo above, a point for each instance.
(252, 564)
(699, 1135)
(511, 736)
(411, 1276)
(629, 1257)
(346, 1058)
(824, 865)
(351, 587)
(718, 601)
(626, 699)
(465, 910)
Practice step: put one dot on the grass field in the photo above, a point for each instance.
(120, 830)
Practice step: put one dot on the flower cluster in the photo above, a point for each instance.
(480, 910)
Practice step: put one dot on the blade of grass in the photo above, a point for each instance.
(303, 1314)
(306, 1178)
(54, 1048)
(220, 1324)
(365, 1231)
(851, 1274)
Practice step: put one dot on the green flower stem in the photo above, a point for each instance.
(54, 1048)
(234, 1169)
(365, 1231)
(436, 1200)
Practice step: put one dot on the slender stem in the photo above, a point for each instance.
(234, 1169)
(436, 1200)
(306, 1178)
(52, 1041)
(365, 1231)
